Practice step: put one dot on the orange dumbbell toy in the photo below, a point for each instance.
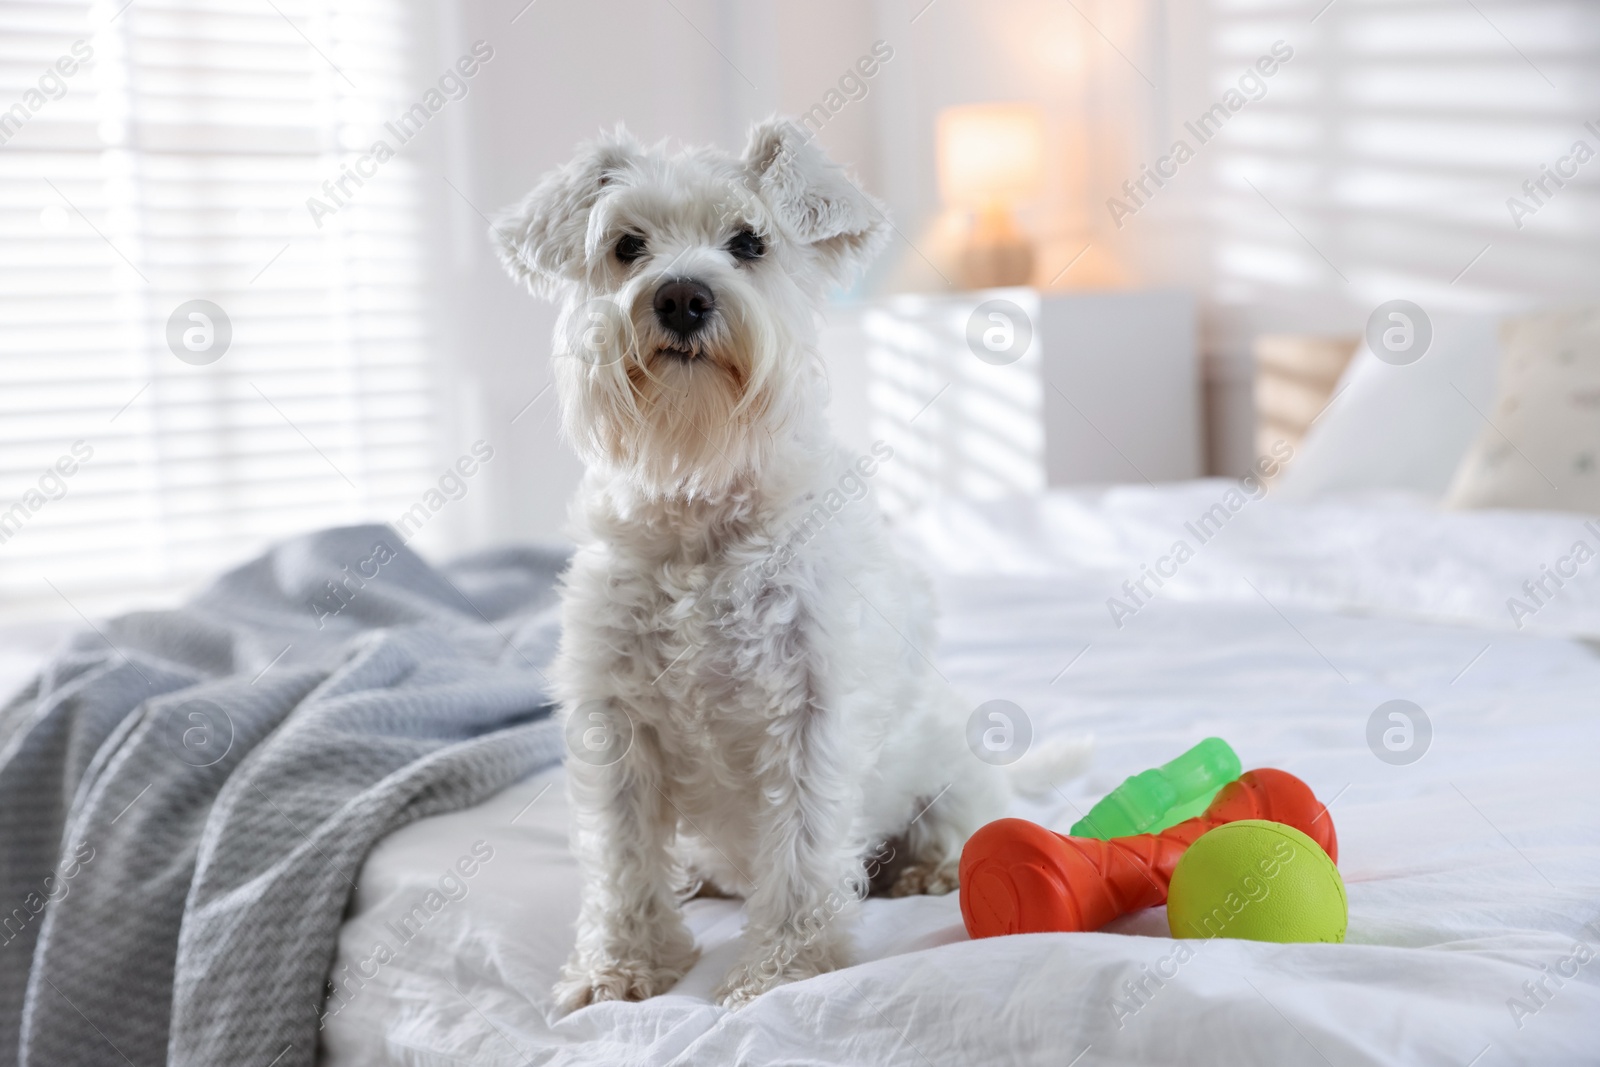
(1019, 878)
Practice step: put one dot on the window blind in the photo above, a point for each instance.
(158, 153)
(1389, 156)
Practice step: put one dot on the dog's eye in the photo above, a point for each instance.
(630, 247)
(747, 245)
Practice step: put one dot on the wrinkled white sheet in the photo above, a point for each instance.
(1470, 872)
(1381, 553)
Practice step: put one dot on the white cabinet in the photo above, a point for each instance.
(1004, 391)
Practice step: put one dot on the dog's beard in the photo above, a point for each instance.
(681, 416)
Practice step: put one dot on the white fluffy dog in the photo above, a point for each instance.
(744, 661)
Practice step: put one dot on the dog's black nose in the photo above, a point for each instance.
(683, 305)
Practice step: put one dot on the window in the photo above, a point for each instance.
(155, 154)
(1388, 157)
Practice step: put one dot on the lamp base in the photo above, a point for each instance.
(996, 253)
(993, 264)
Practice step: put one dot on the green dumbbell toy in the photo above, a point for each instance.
(1164, 796)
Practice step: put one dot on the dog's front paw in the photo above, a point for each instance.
(582, 985)
(745, 983)
(737, 990)
(784, 963)
(931, 879)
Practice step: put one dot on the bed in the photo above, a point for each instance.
(1409, 621)
(1469, 842)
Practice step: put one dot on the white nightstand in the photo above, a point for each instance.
(1003, 391)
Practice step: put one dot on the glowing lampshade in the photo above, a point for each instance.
(990, 154)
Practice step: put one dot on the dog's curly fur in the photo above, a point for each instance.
(744, 623)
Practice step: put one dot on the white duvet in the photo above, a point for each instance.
(1473, 872)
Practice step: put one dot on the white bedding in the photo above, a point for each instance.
(1468, 870)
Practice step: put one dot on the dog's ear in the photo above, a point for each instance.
(812, 198)
(542, 239)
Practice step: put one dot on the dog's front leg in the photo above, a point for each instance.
(809, 874)
(632, 941)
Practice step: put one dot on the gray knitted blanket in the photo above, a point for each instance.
(186, 797)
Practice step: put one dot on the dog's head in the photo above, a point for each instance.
(688, 284)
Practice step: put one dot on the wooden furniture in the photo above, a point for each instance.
(1295, 378)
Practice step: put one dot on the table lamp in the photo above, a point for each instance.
(991, 156)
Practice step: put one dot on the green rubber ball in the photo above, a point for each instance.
(1257, 880)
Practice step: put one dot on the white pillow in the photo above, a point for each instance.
(1401, 427)
(1543, 449)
